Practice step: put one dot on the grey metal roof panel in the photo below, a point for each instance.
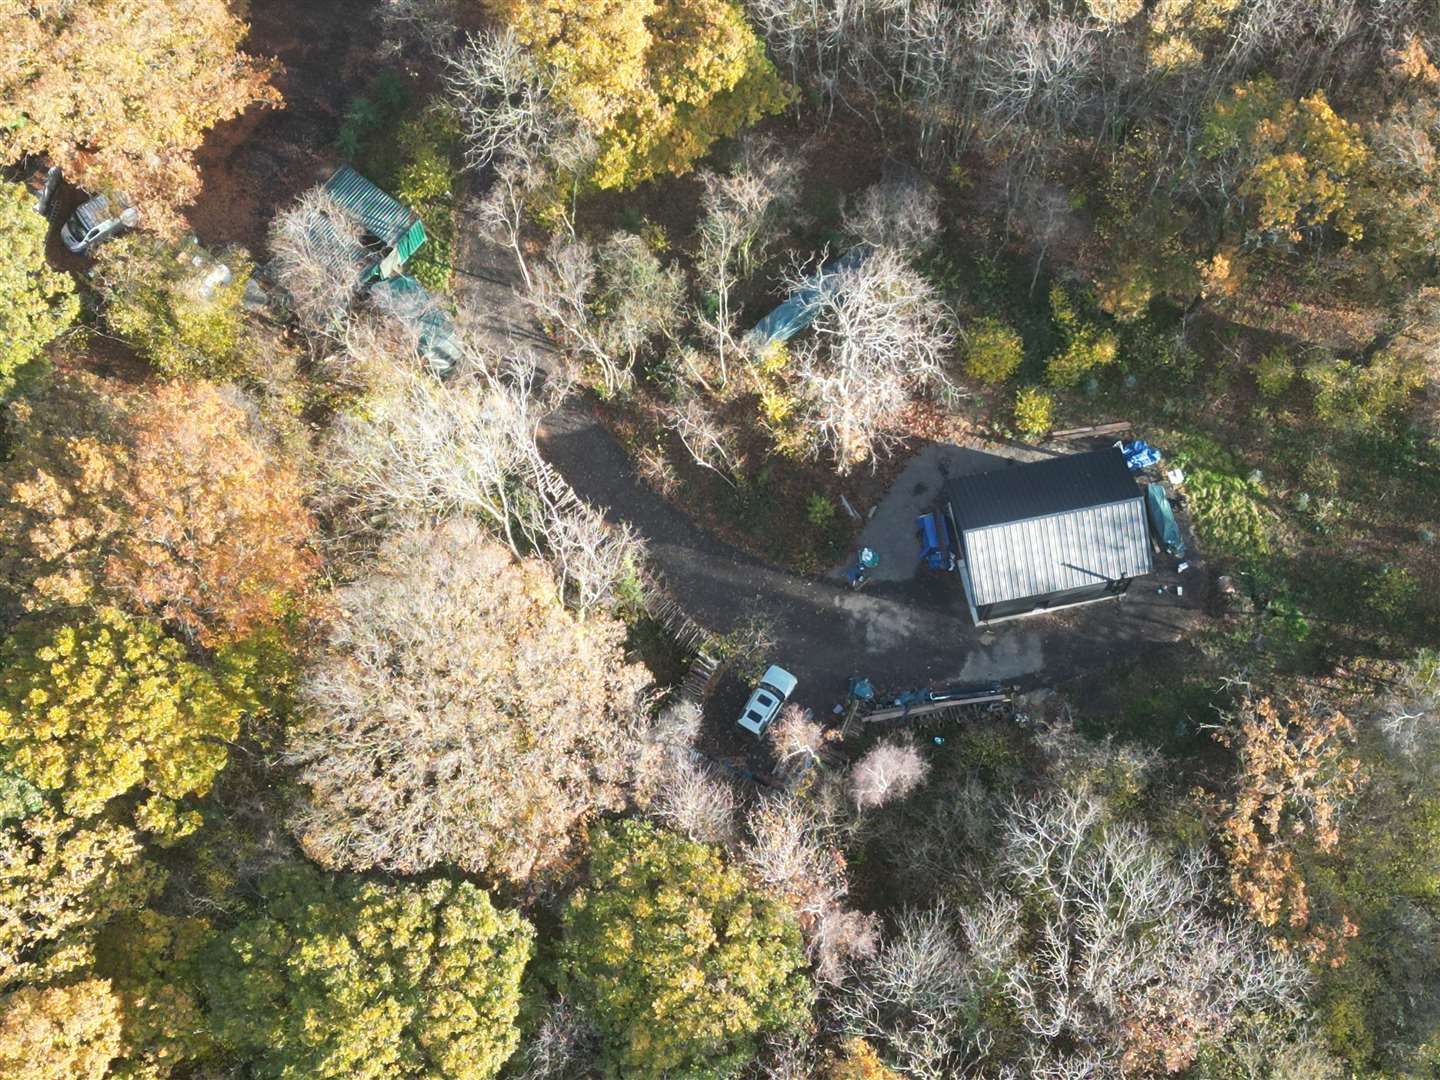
(1054, 552)
(1054, 486)
(384, 217)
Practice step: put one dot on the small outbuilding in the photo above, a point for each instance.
(1048, 534)
(394, 230)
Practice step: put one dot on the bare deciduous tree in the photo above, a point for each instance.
(503, 97)
(741, 220)
(501, 209)
(459, 715)
(708, 443)
(915, 995)
(640, 298)
(880, 334)
(430, 23)
(890, 770)
(1100, 942)
(903, 213)
(795, 736)
(564, 1045)
(693, 800)
(425, 450)
(794, 850)
(318, 258)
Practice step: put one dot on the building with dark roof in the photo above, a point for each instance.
(1048, 534)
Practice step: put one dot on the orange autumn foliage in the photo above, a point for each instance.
(1294, 770)
(164, 502)
(120, 93)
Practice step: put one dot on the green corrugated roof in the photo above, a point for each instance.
(383, 217)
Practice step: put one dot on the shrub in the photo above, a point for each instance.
(1034, 411)
(429, 150)
(1363, 398)
(1087, 345)
(820, 510)
(168, 302)
(1274, 372)
(993, 350)
(681, 962)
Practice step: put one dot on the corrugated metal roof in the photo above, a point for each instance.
(1050, 554)
(383, 217)
(1053, 486)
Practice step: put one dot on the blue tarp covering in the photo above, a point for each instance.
(934, 542)
(1139, 454)
(799, 310)
(1162, 520)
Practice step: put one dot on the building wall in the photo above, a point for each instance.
(1050, 601)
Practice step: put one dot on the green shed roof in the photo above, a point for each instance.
(390, 222)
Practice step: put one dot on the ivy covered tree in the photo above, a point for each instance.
(36, 302)
(120, 93)
(173, 305)
(338, 978)
(682, 963)
(657, 81)
(93, 710)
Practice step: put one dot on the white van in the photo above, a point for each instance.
(96, 220)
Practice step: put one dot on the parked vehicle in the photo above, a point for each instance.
(776, 685)
(96, 220)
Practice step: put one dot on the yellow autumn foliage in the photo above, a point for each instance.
(91, 711)
(657, 81)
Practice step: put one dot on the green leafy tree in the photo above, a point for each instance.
(338, 977)
(170, 302)
(1087, 345)
(1034, 411)
(60, 880)
(682, 963)
(93, 710)
(1299, 163)
(151, 961)
(993, 350)
(36, 302)
(657, 81)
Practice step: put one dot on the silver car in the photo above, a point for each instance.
(96, 220)
(776, 685)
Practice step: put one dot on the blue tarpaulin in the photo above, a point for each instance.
(799, 310)
(934, 542)
(1139, 454)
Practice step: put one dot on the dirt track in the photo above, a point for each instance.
(901, 633)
